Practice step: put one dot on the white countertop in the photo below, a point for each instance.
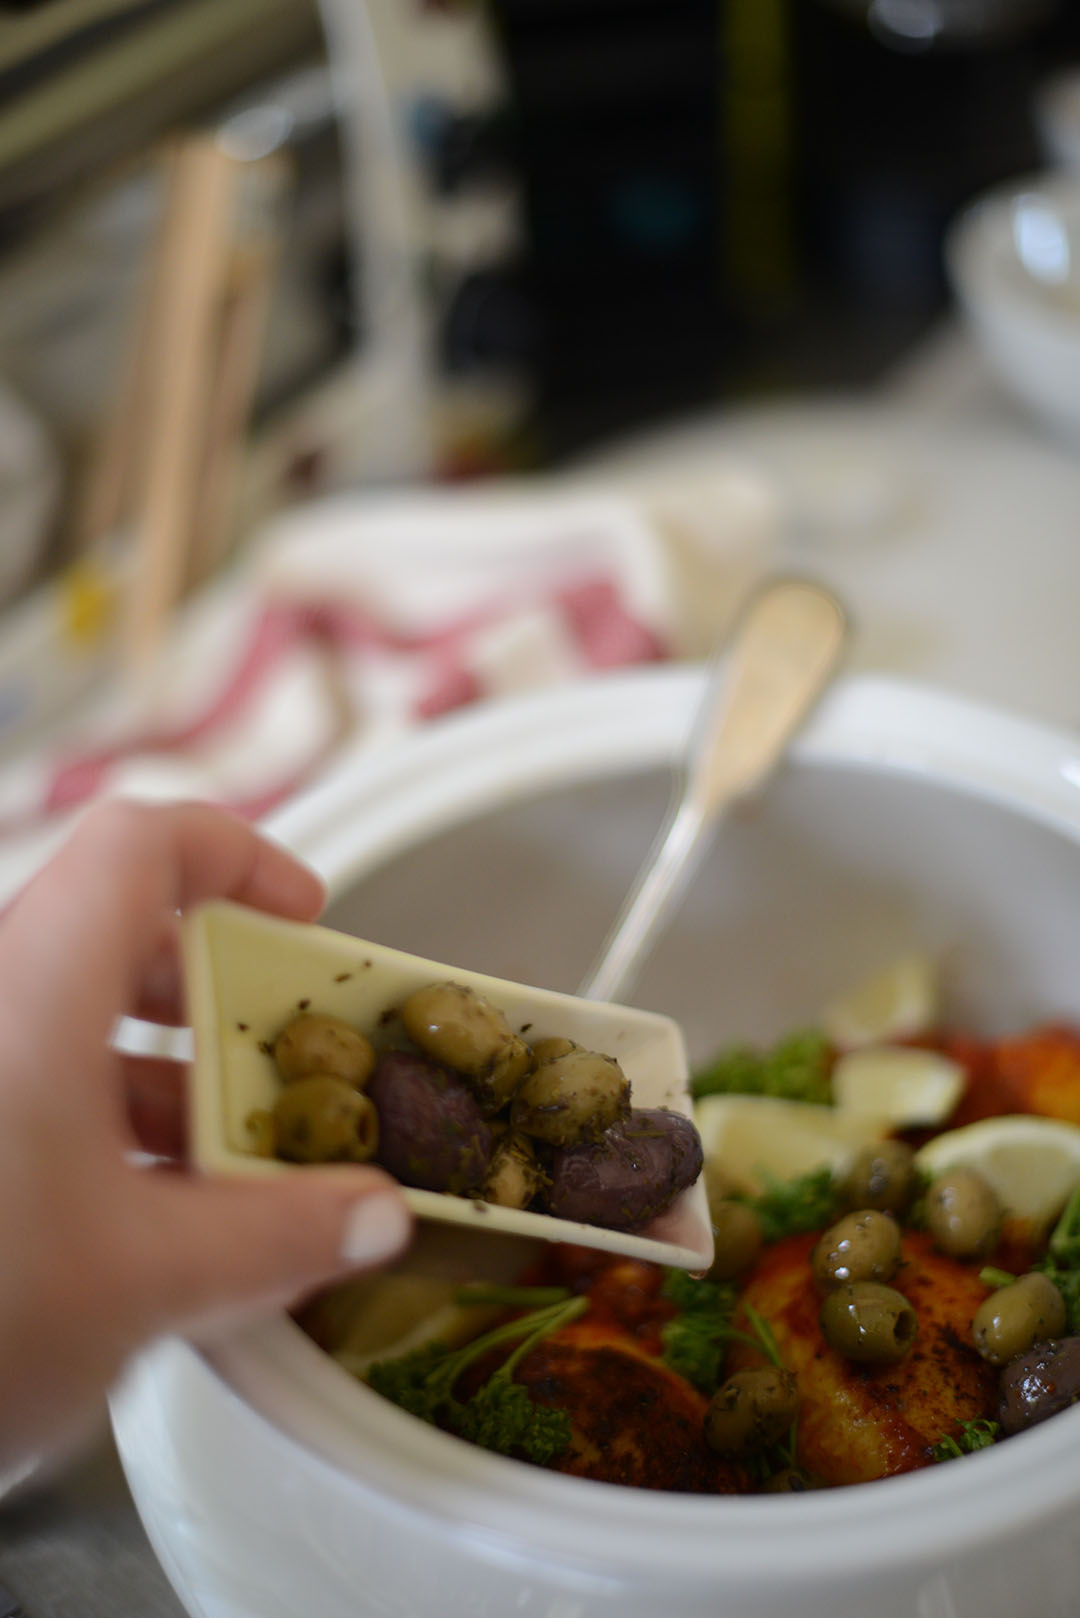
(947, 520)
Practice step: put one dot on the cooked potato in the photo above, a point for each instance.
(859, 1422)
(633, 1420)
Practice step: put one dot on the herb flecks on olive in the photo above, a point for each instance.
(630, 1175)
(546, 1050)
(434, 1134)
(1016, 1317)
(462, 1105)
(737, 1239)
(515, 1176)
(572, 1099)
(868, 1322)
(963, 1214)
(751, 1411)
(881, 1176)
(314, 1043)
(260, 1132)
(462, 1029)
(863, 1246)
(321, 1119)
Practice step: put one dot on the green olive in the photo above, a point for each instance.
(791, 1480)
(881, 1176)
(963, 1214)
(462, 1029)
(868, 1322)
(863, 1246)
(737, 1238)
(313, 1043)
(719, 1185)
(751, 1411)
(515, 1175)
(571, 1099)
(260, 1132)
(1016, 1317)
(321, 1119)
(546, 1050)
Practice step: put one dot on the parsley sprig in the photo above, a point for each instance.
(1061, 1261)
(809, 1202)
(794, 1069)
(973, 1435)
(696, 1340)
(500, 1415)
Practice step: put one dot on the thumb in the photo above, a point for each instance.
(213, 1252)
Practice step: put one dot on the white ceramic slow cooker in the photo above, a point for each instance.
(272, 1484)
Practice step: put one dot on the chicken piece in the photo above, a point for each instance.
(861, 1422)
(1040, 1072)
(634, 1420)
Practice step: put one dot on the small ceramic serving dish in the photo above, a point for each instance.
(1013, 258)
(248, 973)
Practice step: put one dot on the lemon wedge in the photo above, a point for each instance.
(383, 1316)
(897, 1002)
(1032, 1163)
(750, 1138)
(907, 1087)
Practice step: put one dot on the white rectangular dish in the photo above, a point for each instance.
(248, 973)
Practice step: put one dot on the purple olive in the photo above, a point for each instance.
(632, 1174)
(432, 1134)
(1038, 1384)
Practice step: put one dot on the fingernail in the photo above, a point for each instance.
(376, 1229)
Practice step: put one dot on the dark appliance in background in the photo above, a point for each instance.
(724, 197)
(903, 110)
(614, 132)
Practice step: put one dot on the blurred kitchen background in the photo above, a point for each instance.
(599, 211)
(288, 287)
(252, 251)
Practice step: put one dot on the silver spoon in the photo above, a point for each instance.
(760, 689)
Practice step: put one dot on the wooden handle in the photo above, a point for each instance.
(195, 246)
(783, 652)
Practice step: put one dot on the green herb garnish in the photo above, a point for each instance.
(695, 1341)
(777, 1457)
(794, 1069)
(763, 1336)
(1061, 1262)
(991, 1276)
(1064, 1243)
(500, 1415)
(795, 1207)
(973, 1435)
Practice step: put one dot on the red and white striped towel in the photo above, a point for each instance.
(358, 612)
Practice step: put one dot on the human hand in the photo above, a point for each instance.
(99, 1254)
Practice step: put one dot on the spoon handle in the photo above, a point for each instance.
(759, 690)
